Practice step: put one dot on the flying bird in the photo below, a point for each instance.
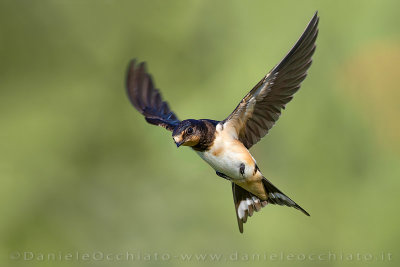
(225, 145)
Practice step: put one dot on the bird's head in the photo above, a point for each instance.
(187, 133)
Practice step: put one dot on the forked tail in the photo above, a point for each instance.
(246, 203)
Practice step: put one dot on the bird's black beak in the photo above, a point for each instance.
(178, 144)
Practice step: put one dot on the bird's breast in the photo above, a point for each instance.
(230, 157)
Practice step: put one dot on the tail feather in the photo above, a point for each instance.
(275, 196)
(246, 203)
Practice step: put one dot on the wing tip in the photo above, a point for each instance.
(315, 16)
(133, 66)
(134, 75)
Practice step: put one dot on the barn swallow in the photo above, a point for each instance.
(225, 145)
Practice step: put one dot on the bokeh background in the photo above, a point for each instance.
(81, 171)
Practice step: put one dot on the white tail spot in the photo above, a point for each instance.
(244, 205)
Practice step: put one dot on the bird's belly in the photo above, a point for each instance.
(231, 161)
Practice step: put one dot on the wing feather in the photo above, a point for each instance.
(146, 99)
(258, 111)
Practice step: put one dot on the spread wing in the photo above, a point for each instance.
(261, 107)
(146, 99)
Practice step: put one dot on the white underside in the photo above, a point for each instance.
(229, 157)
(228, 164)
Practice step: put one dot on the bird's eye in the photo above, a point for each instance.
(190, 130)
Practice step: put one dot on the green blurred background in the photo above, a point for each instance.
(81, 171)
